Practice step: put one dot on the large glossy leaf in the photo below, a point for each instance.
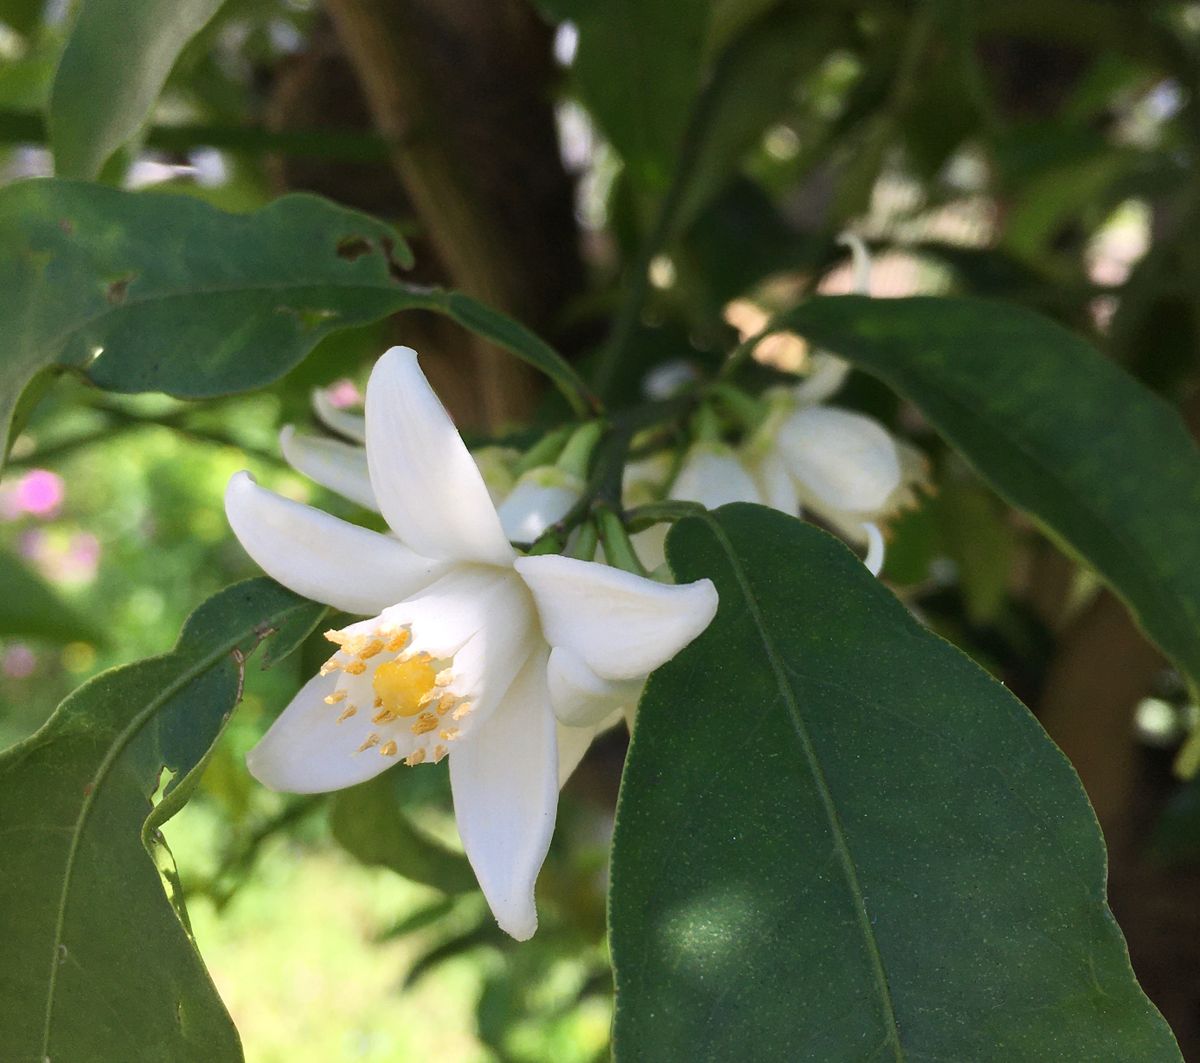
(638, 67)
(153, 292)
(30, 607)
(97, 964)
(839, 839)
(1105, 465)
(116, 61)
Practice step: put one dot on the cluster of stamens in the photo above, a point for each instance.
(404, 686)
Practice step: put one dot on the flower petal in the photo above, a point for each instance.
(776, 485)
(826, 374)
(307, 751)
(624, 626)
(540, 497)
(505, 785)
(427, 485)
(351, 425)
(713, 476)
(847, 461)
(333, 464)
(321, 557)
(579, 697)
(573, 743)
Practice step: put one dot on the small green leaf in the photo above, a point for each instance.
(116, 61)
(146, 292)
(97, 964)
(1103, 464)
(31, 607)
(370, 823)
(839, 839)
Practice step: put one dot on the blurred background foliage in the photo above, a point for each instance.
(550, 158)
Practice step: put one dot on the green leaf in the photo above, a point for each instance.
(146, 292)
(31, 607)
(1105, 466)
(369, 822)
(638, 68)
(22, 15)
(97, 964)
(116, 61)
(839, 839)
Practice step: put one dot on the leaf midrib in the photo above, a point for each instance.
(837, 831)
(118, 746)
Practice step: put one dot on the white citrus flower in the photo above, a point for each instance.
(469, 651)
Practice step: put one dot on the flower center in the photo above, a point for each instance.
(413, 709)
(403, 685)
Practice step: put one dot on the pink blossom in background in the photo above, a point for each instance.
(18, 661)
(40, 493)
(59, 557)
(344, 393)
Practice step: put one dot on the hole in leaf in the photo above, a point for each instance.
(115, 291)
(352, 247)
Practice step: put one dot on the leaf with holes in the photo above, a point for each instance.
(840, 839)
(154, 292)
(1106, 466)
(97, 964)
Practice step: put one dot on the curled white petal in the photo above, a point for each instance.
(581, 698)
(845, 460)
(331, 463)
(624, 626)
(505, 785)
(826, 374)
(875, 549)
(427, 485)
(351, 425)
(322, 557)
(775, 484)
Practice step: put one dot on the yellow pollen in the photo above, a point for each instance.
(371, 648)
(438, 753)
(378, 702)
(382, 716)
(356, 667)
(389, 749)
(398, 641)
(338, 638)
(371, 740)
(347, 712)
(335, 697)
(424, 723)
(463, 710)
(331, 665)
(415, 757)
(449, 734)
(445, 704)
(401, 685)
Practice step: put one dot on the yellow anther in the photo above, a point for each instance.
(338, 638)
(331, 665)
(378, 702)
(335, 697)
(398, 641)
(443, 678)
(382, 716)
(424, 723)
(389, 749)
(347, 712)
(449, 734)
(445, 704)
(439, 752)
(416, 757)
(371, 740)
(356, 667)
(371, 648)
(463, 710)
(401, 685)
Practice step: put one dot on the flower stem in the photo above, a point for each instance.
(618, 550)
